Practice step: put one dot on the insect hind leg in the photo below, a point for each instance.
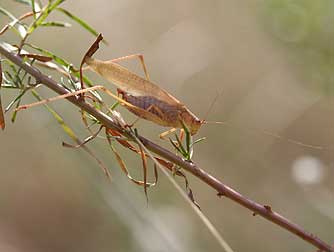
(139, 56)
(81, 91)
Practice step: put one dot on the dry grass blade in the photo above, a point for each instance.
(2, 117)
(144, 161)
(38, 57)
(94, 47)
(86, 140)
(125, 170)
(116, 135)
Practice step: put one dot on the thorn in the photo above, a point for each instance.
(268, 208)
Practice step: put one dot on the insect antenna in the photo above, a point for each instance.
(268, 133)
(257, 130)
(211, 106)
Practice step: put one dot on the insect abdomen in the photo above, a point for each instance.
(169, 114)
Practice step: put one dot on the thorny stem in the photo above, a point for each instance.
(222, 189)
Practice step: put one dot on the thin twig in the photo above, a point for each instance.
(263, 210)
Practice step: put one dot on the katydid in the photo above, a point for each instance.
(148, 100)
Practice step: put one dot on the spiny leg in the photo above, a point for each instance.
(81, 91)
(141, 58)
(164, 134)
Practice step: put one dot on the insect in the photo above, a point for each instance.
(147, 99)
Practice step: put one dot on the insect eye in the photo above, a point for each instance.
(199, 121)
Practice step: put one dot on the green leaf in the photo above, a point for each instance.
(44, 14)
(15, 112)
(198, 140)
(56, 58)
(188, 140)
(185, 153)
(17, 99)
(59, 119)
(67, 129)
(35, 8)
(114, 105)
(178, 147)
(175, 146)
(80, 22)
(10, 79)
(20, 28)
(26, 2)
(56, 24)
(67, 66)
(7, 13)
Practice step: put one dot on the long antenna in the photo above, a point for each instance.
(212, 104)
(268, 133)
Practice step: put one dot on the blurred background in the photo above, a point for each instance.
(269, 65)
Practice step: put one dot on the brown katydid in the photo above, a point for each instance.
(142, 97)
(139, 95)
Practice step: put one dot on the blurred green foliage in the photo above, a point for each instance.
(307, 27)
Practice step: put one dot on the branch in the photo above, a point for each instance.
(223, 190)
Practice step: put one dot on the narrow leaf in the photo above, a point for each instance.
(61, 62)
(14, 115)
(56, 58)
(26, 2)
(176, 147)
(56, 24)
(14, 22)
(44, 14)
(17, 99)
(35, 8)
(85, 25)
(181, 145)
(72, 135)
(198, 141)
(7, 13)
(21, 29)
